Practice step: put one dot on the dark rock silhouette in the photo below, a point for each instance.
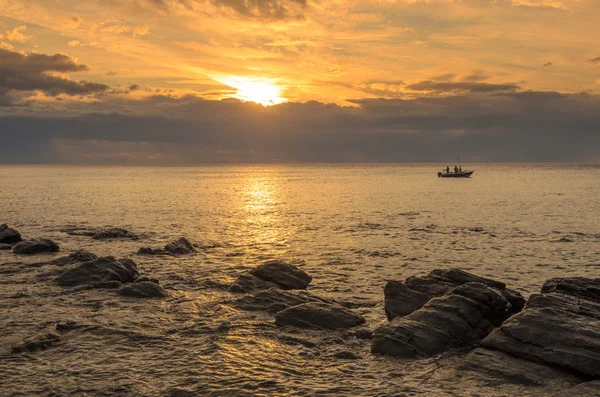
(319, 315)
(74, 257)
(271, 274)
(143, 289)
(463, 317)
(402, 298)
(36, 246)
(181, 246)
(275, 300)
(5, 247)
(99, 271)
(556, 338)
(9, 235)
(38, 342)
(101, 233)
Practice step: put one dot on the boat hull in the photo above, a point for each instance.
(462, 174)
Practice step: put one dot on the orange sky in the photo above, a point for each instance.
(328, 51)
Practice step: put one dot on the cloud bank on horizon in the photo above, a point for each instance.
(182, 81)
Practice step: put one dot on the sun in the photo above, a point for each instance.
(260, 91)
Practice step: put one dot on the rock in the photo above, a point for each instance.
(285, 275)
(403, 298)
(100, 270)
(586, 288)
(5, 247)
(586, 389)
(345, 355)
(180, 247)
(36, 246)
(275, 300)
(114, 232)
(9, 235)
(74, 257)
(271, 274)
(247, 282)
(319, 315)
(360, 333)
(459, 319)
(550, 332)
(144, 289)
(146, 278)
(38, 342)
(498, 368)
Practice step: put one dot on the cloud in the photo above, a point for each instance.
(595, 60)
(526, 126)
(547, 64)
(16, 35)
(262, 9)
(461, 87)
(21, 75)
(71, 23)
(74, 43)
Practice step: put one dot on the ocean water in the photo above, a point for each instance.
(352, 227)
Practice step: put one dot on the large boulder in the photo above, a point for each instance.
(319, 315)
(9, 235)
(99, 271)
(143, 289)
(558, 331)
(272, 274)
(35, 246)
(461, 318)
(275, 300)
(403, 298)
(74, 257)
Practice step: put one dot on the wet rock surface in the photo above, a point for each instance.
(558, 334)
(143, 289)
(98, 271)
(403, 298)
(181, 246)
(101, 233)
(36, 246)
(275, 300)
(272, 274)
(5, 247)
(456, 320)
(41, 341)
(9, 235)
(318, 315)
(74, 257)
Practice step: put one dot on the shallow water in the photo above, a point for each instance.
(352, 227)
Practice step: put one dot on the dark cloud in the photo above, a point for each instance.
(264, 9)
(461, 87)
(595, 60)
(23, 74)
(547, 64)
(527, 126)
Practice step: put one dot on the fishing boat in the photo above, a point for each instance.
(459, 174)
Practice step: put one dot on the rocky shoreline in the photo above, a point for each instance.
(549, 340)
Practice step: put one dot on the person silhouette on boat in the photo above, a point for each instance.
(447, 169)
(455, 169)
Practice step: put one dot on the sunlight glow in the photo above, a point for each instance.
(260, 91)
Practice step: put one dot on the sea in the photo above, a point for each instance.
(352, 227)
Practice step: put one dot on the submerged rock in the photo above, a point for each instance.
(463, 317)
(98, 271)
(498, 368)
(181, 246)
(114, 232)
(403, 298)
(143, 289)
(38, 342)
(275, 300)
(74, 257)
(271, 274)
(319, 315)
(558, 333)
(9, 235)
(36, 246)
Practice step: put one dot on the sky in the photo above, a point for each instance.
(270, 81)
